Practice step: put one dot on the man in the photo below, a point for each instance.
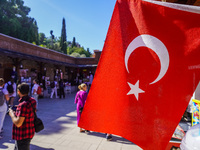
(61, 88)
(34, 91)
(23, 119)
(10, 86)
(3, 106)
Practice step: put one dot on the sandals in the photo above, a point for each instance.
(82, 131)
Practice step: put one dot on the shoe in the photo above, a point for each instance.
(82, 131)
(87, 131)
(109, 138)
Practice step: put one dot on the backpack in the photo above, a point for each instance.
(52, 85)
(39, 90)
(10, 88)
(1, 96)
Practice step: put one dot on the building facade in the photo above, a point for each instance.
(25, 61)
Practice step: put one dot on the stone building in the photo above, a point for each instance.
(32, 61)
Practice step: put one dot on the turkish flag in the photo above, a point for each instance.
(147, 72)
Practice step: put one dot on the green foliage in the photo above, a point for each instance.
(63, 43)
(74, 42)
(41, 45)
(75, 54)
(42, 39)
(15, 21)
(56, 47)
(82, 55)
(53, 44)
(88, 52)
(79, 50)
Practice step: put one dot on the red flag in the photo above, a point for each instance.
(144, 79)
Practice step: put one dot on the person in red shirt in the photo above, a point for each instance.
(23, 119)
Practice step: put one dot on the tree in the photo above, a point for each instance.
(75, 54)
(74, 42)
(63, 40)
(82, 55)
(15, 21)
(88, 52)
(52, 39)
(79, 50)
(42, 39)
(35, 33)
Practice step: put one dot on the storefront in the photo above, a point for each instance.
(27, 62)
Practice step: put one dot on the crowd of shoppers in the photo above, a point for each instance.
(23, 115)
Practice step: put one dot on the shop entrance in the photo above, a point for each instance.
(7, 74)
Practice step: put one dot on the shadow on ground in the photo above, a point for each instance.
(35, 147)
(59, 117)
(115, 138)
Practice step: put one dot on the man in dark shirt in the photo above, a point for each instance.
(61, 88)
(23, 119)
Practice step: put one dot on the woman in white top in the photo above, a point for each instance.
(34, 92)
(54, 89)
(4, 95)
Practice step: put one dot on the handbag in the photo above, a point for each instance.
(38, 124)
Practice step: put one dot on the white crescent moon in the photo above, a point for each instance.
(154, 44)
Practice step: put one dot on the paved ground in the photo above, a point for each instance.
(61, 131)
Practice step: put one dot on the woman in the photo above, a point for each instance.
(80, 101)
(34, 92)
(4, 95)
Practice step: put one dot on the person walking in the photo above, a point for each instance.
(10, 86)
(23, 119)
(80, 99)
(4, 95)
(53, 86)
(61, 88)
(34, 91)
(90, 80)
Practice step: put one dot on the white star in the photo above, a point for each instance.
(135, 89)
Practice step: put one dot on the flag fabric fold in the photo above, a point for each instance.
(144, 79)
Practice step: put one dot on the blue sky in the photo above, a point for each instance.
(87, 20)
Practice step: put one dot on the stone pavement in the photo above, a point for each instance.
(61, 131)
